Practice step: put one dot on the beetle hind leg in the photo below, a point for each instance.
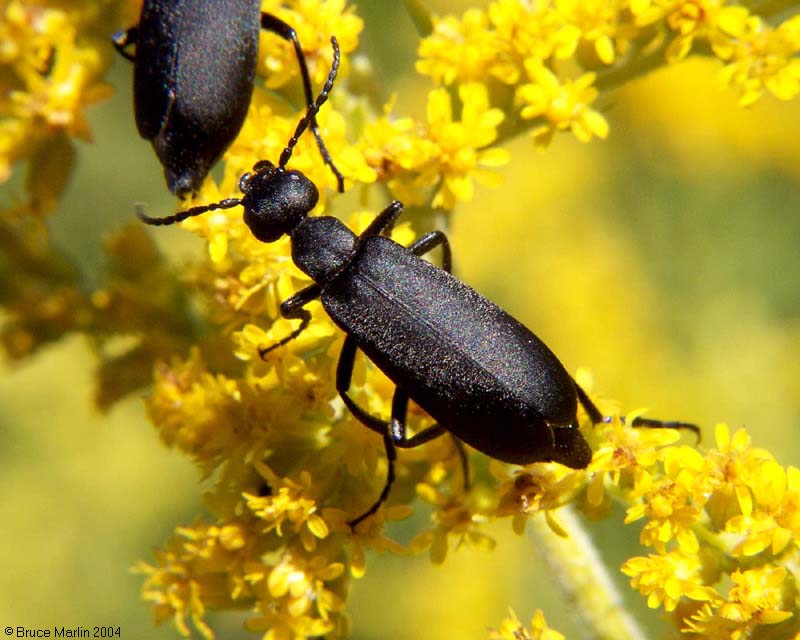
(392, 432)
(650, 423)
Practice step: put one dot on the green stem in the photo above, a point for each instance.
(577, 568)
(420, 16)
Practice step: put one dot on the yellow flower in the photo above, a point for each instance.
(196, 411)
(195, 571)
(536, 487)
(397, 150)
(461, 146)
(775, 519)
(313, 20)
(445, 155)
(465, 50)
(625, 455)
(288, 502)
(301, 581)
(370, 534)
(533, 31)
(454, 519)
(562, 105)
(667, 578)
(511, 629)
(762, 58)
(669, 503)
(52, 60)
(728, 474)
(757, 597)
(758, 594)
(597, 22)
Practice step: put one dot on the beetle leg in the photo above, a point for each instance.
(397, 429)
(394, 433)
(292, 309)
(280, 28)
(650, 423)
(124, 39)
(398, 432)
(384, 221)
(591, 409)
(344, 375)
(431, 240)
(391, 456)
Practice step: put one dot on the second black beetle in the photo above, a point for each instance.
(194, 69)
(484, 377)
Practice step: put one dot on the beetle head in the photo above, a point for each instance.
(275, 200)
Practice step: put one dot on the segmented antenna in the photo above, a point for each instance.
(302, 125)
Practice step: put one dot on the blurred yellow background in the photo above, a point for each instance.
(665, 260)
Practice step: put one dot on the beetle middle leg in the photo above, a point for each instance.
(292, 309)
(431, 240)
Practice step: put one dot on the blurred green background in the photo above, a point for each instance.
(665, 260)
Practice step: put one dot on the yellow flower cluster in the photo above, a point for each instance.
(731, 515)
(551, 61)
(512, 629)
(52, 57)
(443, 154)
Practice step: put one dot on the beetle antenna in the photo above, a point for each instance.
(188, 213)
(313, 109)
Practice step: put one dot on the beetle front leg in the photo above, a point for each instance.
(292, 309)
(124, 39)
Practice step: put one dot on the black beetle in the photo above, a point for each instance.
(194, 69)
(484, 377)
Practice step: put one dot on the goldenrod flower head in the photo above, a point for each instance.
(533, 31)
(463, 50)
(512, 629)
(597, 22)
(444, 155)
(667, 578)
(289, 502)
(313, 20)
(562, 105)
(536, 487)
(459, 145)
(763, 58)
(52, 57)
(453, 520)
